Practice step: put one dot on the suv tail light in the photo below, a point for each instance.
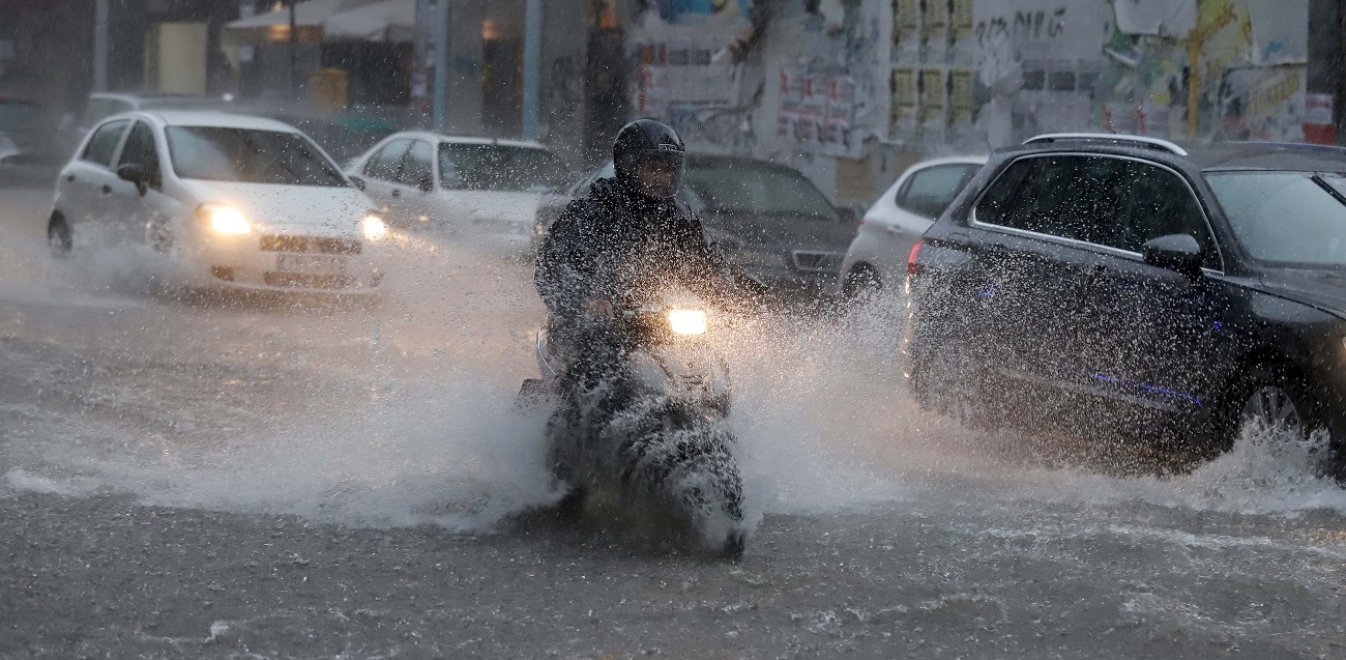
(912, 267)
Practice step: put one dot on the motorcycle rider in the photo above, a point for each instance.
(627, 235)
(624, 242)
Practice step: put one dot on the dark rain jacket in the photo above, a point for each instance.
(617, 245)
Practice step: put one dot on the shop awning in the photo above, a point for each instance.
(388, 20)
(307, 14)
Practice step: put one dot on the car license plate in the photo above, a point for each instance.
(310, 264)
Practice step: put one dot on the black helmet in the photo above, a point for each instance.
(648, 157)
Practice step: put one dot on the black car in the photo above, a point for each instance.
(1128, 281)
(29, 154)
(768, 219)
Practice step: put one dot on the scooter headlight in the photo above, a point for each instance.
(687, 321)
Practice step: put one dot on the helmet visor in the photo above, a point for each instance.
(658, 173)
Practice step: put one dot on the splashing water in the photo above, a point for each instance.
(404, 415)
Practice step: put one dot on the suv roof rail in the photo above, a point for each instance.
(1113, 138)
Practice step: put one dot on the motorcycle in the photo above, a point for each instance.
(652, 430)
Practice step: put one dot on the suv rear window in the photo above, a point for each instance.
(929, 191)
(1066, 196)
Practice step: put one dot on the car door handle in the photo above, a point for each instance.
(892, 229)
(397, 193)
(107, 190)
(70, 178)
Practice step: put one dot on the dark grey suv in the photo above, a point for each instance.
(1104, 279)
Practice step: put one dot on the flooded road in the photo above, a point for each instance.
(187, 475)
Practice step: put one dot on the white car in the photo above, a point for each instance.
(460, 185)
(877, 256)
(234, 200)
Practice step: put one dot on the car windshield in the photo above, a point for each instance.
(21, 116)
(1287, 218)
(745, 188)
(500, 168)
(249, 156)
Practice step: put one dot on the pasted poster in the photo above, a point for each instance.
(1263, 103)
(838, 130)
(818, 109)
(903, 108)
(906, 27)
(1223, 34)
(931, 86)
(792, 82)
(961, 24)
(935, 29)
(961, 108)
(1318, 126)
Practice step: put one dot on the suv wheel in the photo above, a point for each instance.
(1277, 398)
(1271, 406)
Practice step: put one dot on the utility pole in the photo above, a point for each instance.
(532, 56)
(440, 94)
(294, 54)
(1339, 61)
(100, 46)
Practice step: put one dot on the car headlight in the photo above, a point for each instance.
(373, 227)
(687, 321)
(225, 220)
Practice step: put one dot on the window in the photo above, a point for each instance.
(140, 150)
(1156, 202)
(748, 188)
(1072, 197)
(418, 166)
(250, 156)
(1113, 202)
(499, 167)
(103, 145)
(22, 117)
(1291, 218)
(928, 192)
(385, 164)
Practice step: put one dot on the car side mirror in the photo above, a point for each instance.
(356, 181)
(1177, 252)
(426, 184)
(848, 215)
(135, 173)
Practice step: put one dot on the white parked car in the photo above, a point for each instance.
(877, 256)
(460, 185)
(234, 200)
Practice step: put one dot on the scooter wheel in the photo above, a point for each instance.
(734, 546)
(571, 507)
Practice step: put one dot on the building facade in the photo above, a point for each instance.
(851, 91)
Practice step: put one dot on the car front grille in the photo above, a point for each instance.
(320, 244)
(818, 262)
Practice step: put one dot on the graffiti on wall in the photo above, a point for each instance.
(1051, 65)
(822, 96)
